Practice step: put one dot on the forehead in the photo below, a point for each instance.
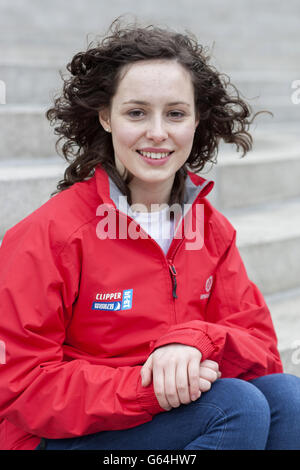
(155, 78)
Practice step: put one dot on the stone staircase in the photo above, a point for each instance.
(260, 194)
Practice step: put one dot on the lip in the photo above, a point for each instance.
(155, 150)
(153, 162)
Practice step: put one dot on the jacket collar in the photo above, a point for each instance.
(196, 188)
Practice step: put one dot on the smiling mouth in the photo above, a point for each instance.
(155, 155)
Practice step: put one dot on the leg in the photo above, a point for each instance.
(234, 414)
(283, 394)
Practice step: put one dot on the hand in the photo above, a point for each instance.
(178, 377)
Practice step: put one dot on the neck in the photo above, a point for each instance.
(149, 193)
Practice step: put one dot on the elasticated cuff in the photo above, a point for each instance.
(147, 398)
(199, 340)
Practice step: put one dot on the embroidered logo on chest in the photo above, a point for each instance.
(208, 286)
(113, 300)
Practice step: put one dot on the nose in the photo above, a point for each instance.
(156, 130)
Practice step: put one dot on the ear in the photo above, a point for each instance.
(104, 119)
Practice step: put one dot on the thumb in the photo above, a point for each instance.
(146, 372)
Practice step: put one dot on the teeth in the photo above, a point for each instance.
(155, 156)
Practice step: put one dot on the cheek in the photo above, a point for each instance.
(185, 136)
(124, 137)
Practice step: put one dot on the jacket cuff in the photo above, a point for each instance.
(147, 398)
(199, 340)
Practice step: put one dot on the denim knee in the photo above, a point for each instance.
(246, 412)
(283, 394)
(282, 390)
(246, 398)
(245, 406)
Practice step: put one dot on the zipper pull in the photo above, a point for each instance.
(173, 274)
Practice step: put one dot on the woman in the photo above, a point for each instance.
(119, 338)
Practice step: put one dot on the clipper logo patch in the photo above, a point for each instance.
(114, 300)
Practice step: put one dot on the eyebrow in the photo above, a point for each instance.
(145, 103)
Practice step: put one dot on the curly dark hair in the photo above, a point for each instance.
(94, 79)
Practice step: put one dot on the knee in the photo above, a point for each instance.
(282, 391)
(247, 400)
(244, 410)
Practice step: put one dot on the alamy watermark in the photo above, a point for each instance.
(2, 92)
(2, 352)
(114, 224)
(296, 94)
(296, 353)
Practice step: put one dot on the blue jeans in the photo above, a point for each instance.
(263, 413)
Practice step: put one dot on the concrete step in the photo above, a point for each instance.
(268, 237)
(25, 187)
(283, 109)
(19, 79)
(270, 172)
(272, 90)
(25, 133)
(232, 28)
(285, 312)
(290, 358)
(261, 86)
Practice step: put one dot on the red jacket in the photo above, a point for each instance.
(81, 314)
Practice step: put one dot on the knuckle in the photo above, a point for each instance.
(215, 376)
(211, 375)
(181, 387)
(194, 377)
(194, 387)
(159, 392)
(172, 396)
(205, 385)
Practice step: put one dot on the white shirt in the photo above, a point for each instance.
(158, 225)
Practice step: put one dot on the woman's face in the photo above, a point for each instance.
(152, 120)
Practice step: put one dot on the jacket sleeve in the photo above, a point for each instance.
(237, 332)
(39, 391)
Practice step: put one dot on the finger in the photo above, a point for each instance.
(146, 372)
(208, 374)
(171, 385)
(193, 378)
(182, 384)
(210, 364)
(159, 387)
(204, 385)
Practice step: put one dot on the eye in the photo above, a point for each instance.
(177, 114)
(135, 113)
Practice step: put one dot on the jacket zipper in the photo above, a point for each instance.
(168, 260)
(174, 280)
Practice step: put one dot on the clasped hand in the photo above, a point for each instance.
(178, 375)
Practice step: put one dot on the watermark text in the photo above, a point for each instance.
(2, 353)
(296, 94)
(296, 353)
(175, 221)
(2, 92)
